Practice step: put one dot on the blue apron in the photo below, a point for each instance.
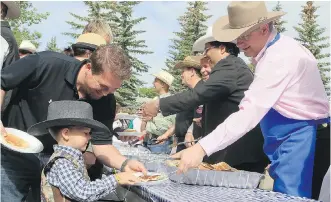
(290, 146)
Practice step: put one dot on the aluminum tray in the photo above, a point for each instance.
(236, 179)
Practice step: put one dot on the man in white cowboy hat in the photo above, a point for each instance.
(221, 94)
(287, 98)
(26, 48)
(157, 131)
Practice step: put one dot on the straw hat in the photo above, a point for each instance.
(243, 17)
(89, 41)
(13, 9)
(27, 45)
(190, 61)
(165, 77)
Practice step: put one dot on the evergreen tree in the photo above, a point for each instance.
(279, 24)
(52, 46)
(192, 27)
(311, 35)
(120, 16)
(120, 19)
(95, 10)
(21, 26)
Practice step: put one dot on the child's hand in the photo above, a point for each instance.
(126, 178)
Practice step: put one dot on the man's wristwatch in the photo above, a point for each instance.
(124, 164)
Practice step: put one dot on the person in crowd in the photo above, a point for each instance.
(157, 131)
(68, 51)
(8, 49)
(48, 76)
(26, 48)
(191, 77)
(101, 28)
(287, 98)
(64, 176)
(221, 94)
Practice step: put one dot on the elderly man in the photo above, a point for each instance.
(287, 97)
(48, 76)
(26, 48)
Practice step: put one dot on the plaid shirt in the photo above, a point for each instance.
(71, 181)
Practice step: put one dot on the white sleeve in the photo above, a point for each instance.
(4, 50)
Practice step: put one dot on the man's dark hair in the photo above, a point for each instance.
(80, 51)
(230, 48)
(68, 51)
(4, 10)
(111, 58)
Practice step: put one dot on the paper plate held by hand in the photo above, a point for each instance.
(152, 178)
(20, 141)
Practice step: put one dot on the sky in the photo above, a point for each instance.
(160, 24)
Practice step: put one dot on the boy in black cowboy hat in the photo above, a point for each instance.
(64, 178)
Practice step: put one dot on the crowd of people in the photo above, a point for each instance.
(276, 119)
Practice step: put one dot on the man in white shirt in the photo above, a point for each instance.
(287, 98)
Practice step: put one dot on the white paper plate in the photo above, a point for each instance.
(35, 146)
(151, 182)
(129, 134)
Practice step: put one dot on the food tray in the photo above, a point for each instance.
(236, 179)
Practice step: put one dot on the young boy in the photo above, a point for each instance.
(65, 178)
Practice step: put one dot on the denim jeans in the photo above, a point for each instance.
(20, 175)
(162, 148)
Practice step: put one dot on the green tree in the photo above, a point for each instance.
(95, 10)
(120, 19)
(21, 25)
(311, 35)
(123, 23)
(193, 26)
(52, 46)
(279, 24)
(147, 92)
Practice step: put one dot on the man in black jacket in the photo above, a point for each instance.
(221, 94)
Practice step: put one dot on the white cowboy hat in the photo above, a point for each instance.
(243, 17)
(199, 45)
(165, 77)
(89, 41)
(13, 9)
(190, 61)
(27, 45)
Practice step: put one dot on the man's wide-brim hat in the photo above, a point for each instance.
(89, 41)
(243, 17)
(14, 10)
(68, 113)
(190, 62)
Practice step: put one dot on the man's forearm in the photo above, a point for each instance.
(109, 155)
